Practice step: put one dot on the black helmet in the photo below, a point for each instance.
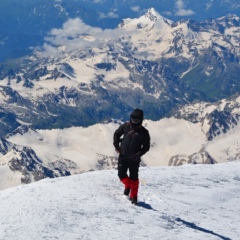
(136, 116)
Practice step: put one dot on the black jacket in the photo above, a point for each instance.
(135, 141)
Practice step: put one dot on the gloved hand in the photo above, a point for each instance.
(118, 150)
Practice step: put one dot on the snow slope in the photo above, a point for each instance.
(175, 203)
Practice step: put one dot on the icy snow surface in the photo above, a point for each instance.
(195, 202)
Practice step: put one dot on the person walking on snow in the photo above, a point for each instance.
(134, 144)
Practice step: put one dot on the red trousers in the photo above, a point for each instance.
(132, 184)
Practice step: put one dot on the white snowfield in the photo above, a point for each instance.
(169, 137)
(190, 202)
(82, 145)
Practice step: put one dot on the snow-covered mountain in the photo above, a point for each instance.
(184, 203)
(24, 24)
(216, 118)
(83, 75)
(20, 165)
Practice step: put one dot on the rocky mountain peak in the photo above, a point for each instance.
(152, 14)
(4, 146)
(149, 20)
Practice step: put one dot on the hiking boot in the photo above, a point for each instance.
(126, 191)
(133, 200)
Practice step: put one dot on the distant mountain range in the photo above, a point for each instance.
(84, 75)
(24, 24)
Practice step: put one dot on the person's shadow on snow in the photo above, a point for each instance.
(186, 223)
(146, 205)
(195, 227)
